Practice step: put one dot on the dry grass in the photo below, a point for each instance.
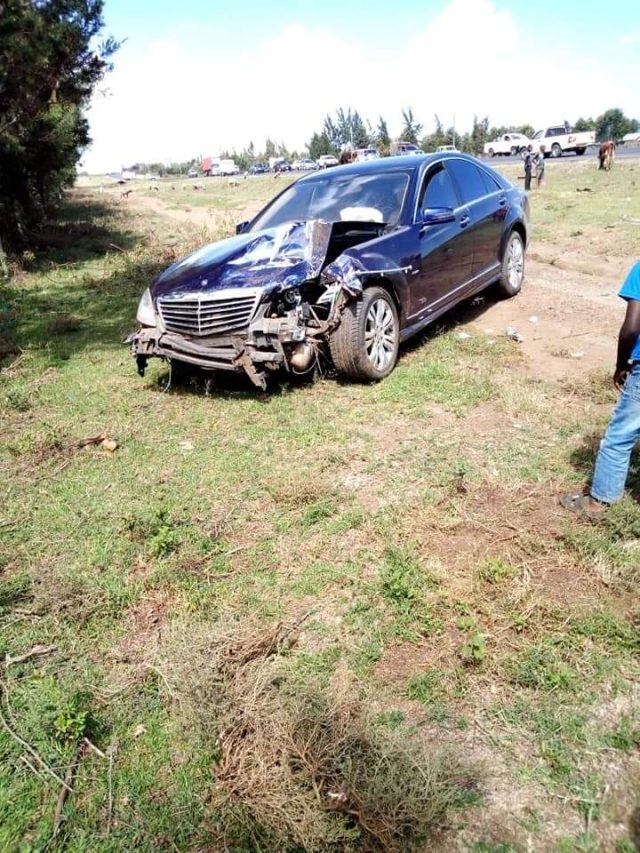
(305, 765)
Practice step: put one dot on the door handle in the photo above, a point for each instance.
(502, 202)
(464, 221)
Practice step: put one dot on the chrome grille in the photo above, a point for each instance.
(209, 313)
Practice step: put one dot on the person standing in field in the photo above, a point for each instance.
(623, 432)
(527, 157)
(539, 158)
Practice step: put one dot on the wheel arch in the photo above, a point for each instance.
(520, 229)
(387, 284)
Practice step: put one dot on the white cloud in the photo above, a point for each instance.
(630, 38)
(170, 102)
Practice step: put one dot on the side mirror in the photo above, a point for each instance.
(437, 215)
(241, 227)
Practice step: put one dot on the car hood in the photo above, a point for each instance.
(284, 256)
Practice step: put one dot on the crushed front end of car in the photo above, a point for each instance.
(254, 303)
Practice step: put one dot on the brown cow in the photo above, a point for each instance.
(606, 154)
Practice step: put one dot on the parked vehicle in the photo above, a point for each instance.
(363, 154)
(326, 161)
(405, 148)
(258, 169)
(508, 143)
(304, 165)
(348, 263)
(281, 165)
(215, 167)
(192, 173)
(560, 139)
(442, 148)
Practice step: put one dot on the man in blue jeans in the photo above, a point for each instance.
(614, 456)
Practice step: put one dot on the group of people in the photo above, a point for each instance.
(533, 161)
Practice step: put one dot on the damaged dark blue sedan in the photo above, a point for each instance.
(345, 263)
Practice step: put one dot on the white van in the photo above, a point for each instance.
(223, 167)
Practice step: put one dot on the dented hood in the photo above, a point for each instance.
(284, 256)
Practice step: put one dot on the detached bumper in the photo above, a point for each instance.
(232, 353)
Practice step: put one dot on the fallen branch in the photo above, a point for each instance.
(112, 751)
(90, 439)
(36, 651)
(66, 788)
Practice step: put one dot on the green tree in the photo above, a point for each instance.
(48, 70)
(584, 124)
(479, 135)
(613, 124)
(347, 128)
(320, 144)
(381, 136)
(411, 129)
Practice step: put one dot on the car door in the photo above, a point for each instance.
(487, 204)
(446, 252)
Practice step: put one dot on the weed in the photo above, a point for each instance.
(474, 650)
(542, 667)
(494, 570)
(426, 687)
(19, 397)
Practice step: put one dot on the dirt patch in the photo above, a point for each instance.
(143, 624)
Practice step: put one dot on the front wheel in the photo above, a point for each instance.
(556, 151)
(365, 345)
(491, 152)
(514, 151)
(512, 273)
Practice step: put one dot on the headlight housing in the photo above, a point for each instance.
(146, 315)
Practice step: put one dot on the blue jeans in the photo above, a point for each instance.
(614, 456)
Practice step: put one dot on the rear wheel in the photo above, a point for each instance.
(365, 345)
(512, 273)
(580, 151)
(491, 152)
(514, 151)
(556, 151)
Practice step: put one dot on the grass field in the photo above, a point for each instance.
(328, 617)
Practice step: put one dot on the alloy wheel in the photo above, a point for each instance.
(380, 334)
(515, 263)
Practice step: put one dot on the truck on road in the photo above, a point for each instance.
(560, 139)
(508, 143)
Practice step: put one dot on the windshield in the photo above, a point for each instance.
(335, 198)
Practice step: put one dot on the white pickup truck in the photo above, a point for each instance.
(560, 139)
(508, 143)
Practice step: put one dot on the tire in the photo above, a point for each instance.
(556, 151)
(580, 151)
(514, 151)
(491, 152)
(512, 272)
(373, 317)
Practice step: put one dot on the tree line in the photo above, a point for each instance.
(49, 68)
(348, 128)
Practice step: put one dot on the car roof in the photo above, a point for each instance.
(410, 162)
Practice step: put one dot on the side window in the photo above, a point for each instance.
(469, 180)
(438, 190)
(490, 183)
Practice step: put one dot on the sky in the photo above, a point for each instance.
(198, 77)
